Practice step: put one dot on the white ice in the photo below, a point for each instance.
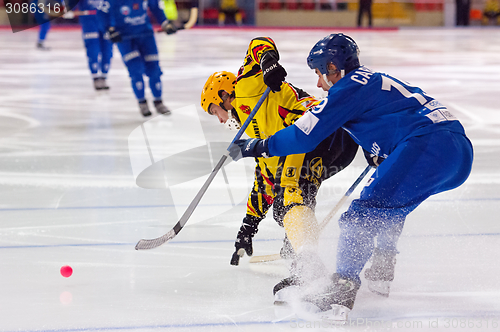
(68, 195)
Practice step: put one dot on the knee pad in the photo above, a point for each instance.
(152, 66)
(135, 68)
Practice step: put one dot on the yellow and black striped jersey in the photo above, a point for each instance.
(278, 111)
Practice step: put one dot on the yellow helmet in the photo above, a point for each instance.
(217, 82)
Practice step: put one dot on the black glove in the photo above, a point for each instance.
(243, 241)
(169, 28)
(253, 147)
(273, 73)
(114, 36)
(373, 160)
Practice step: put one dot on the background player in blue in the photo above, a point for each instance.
(99, 49)
(424, 146)
(128, 25)
(43, 15)
(42, 34)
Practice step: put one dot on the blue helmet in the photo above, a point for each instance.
(337, 48)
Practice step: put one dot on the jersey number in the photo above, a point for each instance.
(387, 83)
(104, 6)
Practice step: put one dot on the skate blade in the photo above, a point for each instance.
(287, 296)
(379, 287)
(337, 316)
(283, 312)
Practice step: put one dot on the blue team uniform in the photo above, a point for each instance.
(425, 147)
(138, 46)
(42, 19)
(41, 14)
(42, 32)
(99, 49)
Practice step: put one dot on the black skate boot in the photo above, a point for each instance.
(381, 273)
(334, 303)
(40, 46)
(306, 268)
(161, 108)
(283, 290)
(97, 85)
(100, 84)
(144, 108)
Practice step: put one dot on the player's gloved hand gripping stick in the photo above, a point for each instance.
(273, 73)
(153, 243)
(170, 28)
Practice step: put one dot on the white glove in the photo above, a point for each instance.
(69, 15)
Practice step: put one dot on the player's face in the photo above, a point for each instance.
(332, 78)
(219, 112)
(321, 81)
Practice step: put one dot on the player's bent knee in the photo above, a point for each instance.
(152, 66)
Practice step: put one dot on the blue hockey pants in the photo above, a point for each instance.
(99, 50)
(140, 55)
(418, 168)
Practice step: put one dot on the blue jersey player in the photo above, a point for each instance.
(46, 10)
(424, 147)
(99, 48)
(128, 25)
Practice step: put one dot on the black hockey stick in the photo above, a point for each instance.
(153, 243)
(328, 218)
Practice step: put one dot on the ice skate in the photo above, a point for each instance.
(287, 289)
(144, 108)
(306, 268)
(97, 86)
(381, 273)
(100, 84)
(334, 303)
(161, 108)
(40, 46)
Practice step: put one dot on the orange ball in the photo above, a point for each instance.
(66, 271)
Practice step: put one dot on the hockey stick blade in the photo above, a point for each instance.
(265, 258)
(193, 17)
(154, 243)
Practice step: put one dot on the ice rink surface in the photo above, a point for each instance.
(79, 187)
